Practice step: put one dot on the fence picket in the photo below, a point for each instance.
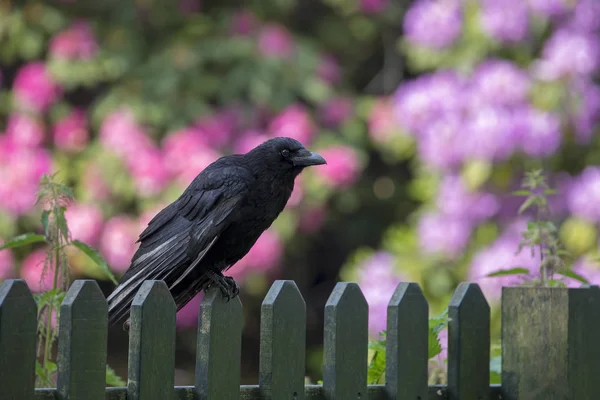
(82, 343)
(345, 343)
(219, 350)
(152, 344)
(407, 344)
(468, 344)
(282, 342)
(18, 326)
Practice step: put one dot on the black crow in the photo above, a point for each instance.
(213, 224)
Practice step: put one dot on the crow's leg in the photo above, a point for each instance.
(226, 284)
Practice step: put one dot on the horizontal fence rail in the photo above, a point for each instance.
(82, 346)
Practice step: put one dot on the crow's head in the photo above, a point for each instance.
(286, 154)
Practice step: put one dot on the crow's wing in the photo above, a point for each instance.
(180, 235)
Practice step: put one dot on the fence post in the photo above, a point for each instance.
(407, 344)
(468, 344)
(219, 349)
(152, 344)
(282, 343)
(18, 327)
(345, 343)
(82, 343)
(550, 347)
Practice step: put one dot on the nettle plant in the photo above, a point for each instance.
(541, 236)
(55, 198)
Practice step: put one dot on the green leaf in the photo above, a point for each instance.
(528, 203)
(59, 215)
(376, 367)
(45, 215)
(436, 324)
(511, 271)
(522, 192)
(112, 379)
(573, 275)
(96, 257)
(434, 347)
(22, 240)
(550, 191)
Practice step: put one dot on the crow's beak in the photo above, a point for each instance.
(307, 158)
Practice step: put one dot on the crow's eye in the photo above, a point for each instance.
(285, 153)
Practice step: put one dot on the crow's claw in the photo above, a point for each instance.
(226, 285)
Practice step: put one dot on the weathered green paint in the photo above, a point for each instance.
(252, 392)
(282, 343)
(152, 344)
(550, 343)
(219, 350)
(468, 344)
(407, 344)
(18, 325)
(82, 343)
(345, 343)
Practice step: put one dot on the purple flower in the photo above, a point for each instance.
(501, 255)
(443, 235)
(75, 43)
(586, 16)
(217, 129)
(584, 196)
(568, 53)
(336, 111)
(456, 201)
(538, 131)
(587, 268)
(117, 242)
(243, 22)
(85, 222)
(440, 146)
(378, 281)
(435, 24)
(6, 263)
(24, 130)
(587, 116)
(550, 8)
(264, 256)
(505, 20)
(71, 132)
(34, 89)
(373, 6)
(382, 124)
(276, 41)
(500, 82)
(187, 317)
(294, 122)
(489, 134)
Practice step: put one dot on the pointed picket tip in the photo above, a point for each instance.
(407, 292)
(283, 291)
(84, 291)
(16, 290)
(151, 291)
(346, 294)
(468, 294)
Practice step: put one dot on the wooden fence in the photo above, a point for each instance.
(82, 346)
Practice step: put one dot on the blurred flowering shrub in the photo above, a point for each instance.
(130, 105)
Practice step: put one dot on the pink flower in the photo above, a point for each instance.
(381, 122)
(187, 317)
(249, 140)
(147, 216)
(117, 242)
(186, 154)
(32, 271)
(21, 169)
(373, 6)
(293, 122)
(25, 130)
(342, 168)
(328, 69)
(34, 89)
(94, 183)
(121, 134)
(71, 132)
(85, 222)
(75, 43)
(264, 256)
(216, 130)
(275, 40)
(149, 171)
(6, 263)
(243, 22)
(297, 195)
(336, 111)
(443, 235)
